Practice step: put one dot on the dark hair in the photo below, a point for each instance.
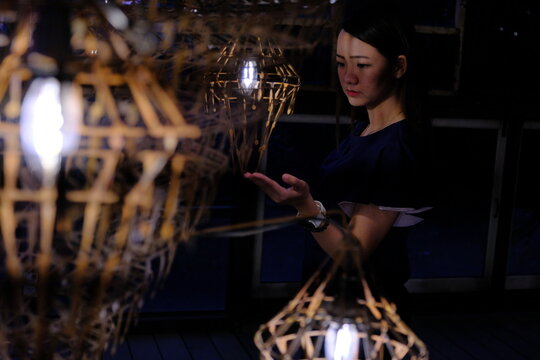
(392, 34)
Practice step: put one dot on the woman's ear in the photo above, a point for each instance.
(401, 66)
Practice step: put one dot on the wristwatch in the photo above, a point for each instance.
(317, 223)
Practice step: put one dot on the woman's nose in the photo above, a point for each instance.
(350, 77)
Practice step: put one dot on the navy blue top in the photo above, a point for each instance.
(385, 168)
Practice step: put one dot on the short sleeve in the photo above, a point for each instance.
(399, 178)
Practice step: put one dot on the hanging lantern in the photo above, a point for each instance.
(336, 316)
(256, 85)
(189, 37)
(99, 175)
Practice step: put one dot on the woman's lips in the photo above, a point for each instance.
(352, 93)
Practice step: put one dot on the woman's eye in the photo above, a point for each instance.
(362, 66)
(340, 64)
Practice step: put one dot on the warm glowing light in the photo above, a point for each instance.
(44, 129)
(115, 16)
(248, 77)
(341, 341)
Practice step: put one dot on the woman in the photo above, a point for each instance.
(376, 175)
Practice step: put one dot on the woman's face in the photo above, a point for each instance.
(366, 76)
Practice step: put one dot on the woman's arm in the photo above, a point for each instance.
(368, 223)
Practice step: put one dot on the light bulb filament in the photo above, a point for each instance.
(248, 78)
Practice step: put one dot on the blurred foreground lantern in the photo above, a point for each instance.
(100, 177)
(336, 316)
(255, 84)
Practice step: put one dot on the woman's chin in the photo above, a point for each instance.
(355, 101)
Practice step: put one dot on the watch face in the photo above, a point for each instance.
(316, 225)
(321, 207)
(316, 222)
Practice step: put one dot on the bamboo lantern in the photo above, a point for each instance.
(241, 30)
(99, 171)
(336, 316)
(256, 85)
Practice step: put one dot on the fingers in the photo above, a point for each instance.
(297, 191)
(269, 186)
(260, 179)
(254, 175)
(290, 180)
(296, 183)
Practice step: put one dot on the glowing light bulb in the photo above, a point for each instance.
(341, 341)
(248, 77)
(45, 133)
(114, 15)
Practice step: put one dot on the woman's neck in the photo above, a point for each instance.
(385, 113)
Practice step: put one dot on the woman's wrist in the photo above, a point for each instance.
(309, 208)
(318, 222)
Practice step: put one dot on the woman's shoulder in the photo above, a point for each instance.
(403, 134)
(395, 139)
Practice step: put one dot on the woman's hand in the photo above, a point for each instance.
(296, 195)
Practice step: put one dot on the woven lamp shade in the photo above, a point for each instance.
(101, 177)
(210, 42)
(336, 315)
(255, 85)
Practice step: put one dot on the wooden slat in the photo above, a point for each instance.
(435, 354)
(246, 340)
(449, 336)
(436, 348)
(122, 353)
(513, 340)
(458, 342)
(228, 346)
(200, 346)
(172, 347)
(439, 343)
(474, 335)
(524, 337)
(143, 347)
(499, 349)
(493, 329)
(516, 331)
(531, 325)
